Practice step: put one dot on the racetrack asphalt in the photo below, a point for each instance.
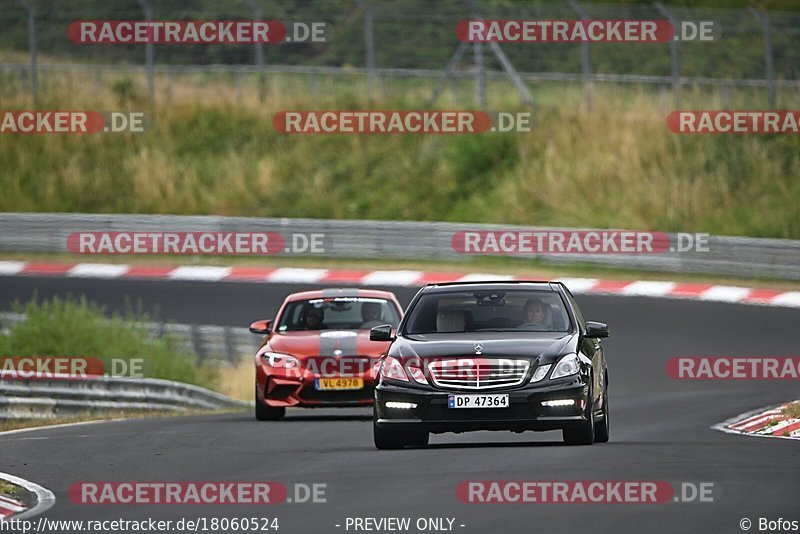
(660, 430)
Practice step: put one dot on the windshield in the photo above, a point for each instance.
(526, 310)
(338, 313)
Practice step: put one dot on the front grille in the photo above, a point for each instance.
(483, 373)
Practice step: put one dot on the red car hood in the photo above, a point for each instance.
(326, 343)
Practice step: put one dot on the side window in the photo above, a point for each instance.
(577, 309)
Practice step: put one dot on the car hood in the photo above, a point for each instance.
(326, 343)
(546, 346)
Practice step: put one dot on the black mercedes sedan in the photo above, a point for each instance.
(511, 356)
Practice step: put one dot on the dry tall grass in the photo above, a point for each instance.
(211, 149)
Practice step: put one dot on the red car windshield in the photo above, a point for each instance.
(338, 313)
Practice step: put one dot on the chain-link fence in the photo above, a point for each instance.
(380, 40)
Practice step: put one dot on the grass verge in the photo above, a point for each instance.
(80, 328)
(8, 489)
(792, 410)
(213, 150)
(236, 381)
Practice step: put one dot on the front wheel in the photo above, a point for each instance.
(265, 412)
(386, 438)
(419, 439)
(601, 429)
(584, 434)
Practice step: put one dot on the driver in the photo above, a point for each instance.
(312, 318)
(371, 314)
(535, 312)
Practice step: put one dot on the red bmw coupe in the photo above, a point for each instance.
(317, 351)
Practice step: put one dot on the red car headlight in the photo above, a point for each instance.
(280, 361)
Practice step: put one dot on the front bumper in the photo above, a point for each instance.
(283, 391)
(525, 411)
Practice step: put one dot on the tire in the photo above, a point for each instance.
(267, 413)
(418, 439)
(601, 431)
(584, 434)
(386, 438)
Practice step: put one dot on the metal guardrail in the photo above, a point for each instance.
(211, 344)
(357, 239)
(48, 398)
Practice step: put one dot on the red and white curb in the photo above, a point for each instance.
(764, 422)
(398, 278)
(12, 509)
(9, 507)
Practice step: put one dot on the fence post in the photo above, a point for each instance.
(455, 59)
(674, 56)
(478, 60)
(585, 68)
(768, 62)
(525, 94)
(369, 43)
(480, 75)
(259, 51)
(32, 47)
(148, 52)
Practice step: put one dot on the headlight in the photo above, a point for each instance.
(281, 361)
(540, 373)
(393, 370)
(568, 365)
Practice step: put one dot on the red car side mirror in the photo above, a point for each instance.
(261, 327)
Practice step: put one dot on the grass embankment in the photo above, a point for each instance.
(211, 149)
(8, 489)
(792, 410)
(66, 327)
(69, 327)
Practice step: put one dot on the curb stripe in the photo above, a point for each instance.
(757, 423)
(399, 278)
(293, 275)
(44, 497)
(97, 270)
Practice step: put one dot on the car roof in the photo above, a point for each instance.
(493, 285)
(341, 292)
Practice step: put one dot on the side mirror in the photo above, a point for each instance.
(595, 329)
(381, 333)
(261, 327)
